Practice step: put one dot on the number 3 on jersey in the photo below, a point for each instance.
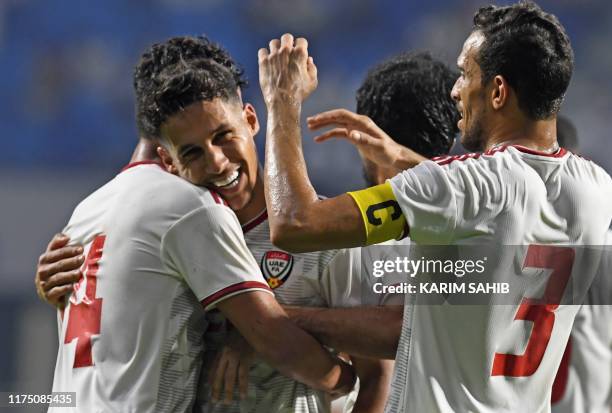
(84, 315)
(540, 311)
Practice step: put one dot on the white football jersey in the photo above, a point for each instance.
(318, 279)
(498, 358)
(159, 251)
(584, 379)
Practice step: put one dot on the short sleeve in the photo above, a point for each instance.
(445, 202)
(348, 279)
(341, 282)
(207, 249)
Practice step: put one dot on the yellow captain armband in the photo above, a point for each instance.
(381, 214)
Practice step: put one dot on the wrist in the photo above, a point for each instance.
(282, 100)
(347, 379)
(406, 158)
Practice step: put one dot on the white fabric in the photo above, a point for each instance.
(589, 381)
(319, 279)
(509, 196)
(167, 246)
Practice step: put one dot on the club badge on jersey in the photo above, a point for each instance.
(276, 267)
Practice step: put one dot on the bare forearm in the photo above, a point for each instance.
(289, 191)
(299, 220)
(307, 362)
(290, 350)
(360, 331)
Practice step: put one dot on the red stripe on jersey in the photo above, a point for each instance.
(218, 199)
(245, 285)
(560, 383)
(255, 221)
(558, 154)
(133, 164)
(445, 160)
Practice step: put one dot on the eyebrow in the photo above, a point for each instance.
(186, 147)
(222, 127)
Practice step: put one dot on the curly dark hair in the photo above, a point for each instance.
(531, 50)
(175, 54)
(408, 96)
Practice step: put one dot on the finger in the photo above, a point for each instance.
(262, 55)
(68, 264)
(301, 47)
(62, 278)
(334, 133)
(213, 370)
(230, 380)
(217, 386)
(243, 380)
(301, 43)
(58, 241)
(60, 253)
(311, 68)
(363, 139)
(286, 41)
(340, 116)
(55, 295)
(274, 45)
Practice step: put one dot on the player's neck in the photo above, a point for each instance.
(146, 150)
(257, 203)
(540, 135)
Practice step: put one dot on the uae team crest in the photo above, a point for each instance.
(276, 267)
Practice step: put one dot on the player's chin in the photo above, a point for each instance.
(238, 195)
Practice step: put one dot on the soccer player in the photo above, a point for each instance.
(522, 190)
(159, 253)
(583, 383)
(207, 137)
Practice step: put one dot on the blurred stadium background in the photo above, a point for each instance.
(67, 107)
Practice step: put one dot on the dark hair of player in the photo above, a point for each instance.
(531, 50)
(408, 96)
(173, 59)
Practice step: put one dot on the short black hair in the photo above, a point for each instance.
(178, 86)
(408, 96)
(531, 50)
(172, 56)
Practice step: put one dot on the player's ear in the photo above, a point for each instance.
(500, 92)
(248, 111)
(167, 160)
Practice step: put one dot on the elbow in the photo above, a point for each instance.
(288, 233)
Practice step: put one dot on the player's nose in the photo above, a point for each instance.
(216, 161)
(455, 91)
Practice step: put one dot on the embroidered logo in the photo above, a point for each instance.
(276, 267)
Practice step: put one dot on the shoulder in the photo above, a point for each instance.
(150, 194)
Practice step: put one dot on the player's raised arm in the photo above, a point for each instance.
(299, 220)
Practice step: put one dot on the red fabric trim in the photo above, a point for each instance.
(133, 164)
(560, 152)
(218, 198)
(255, 221)
(245, 285)
(445, 160)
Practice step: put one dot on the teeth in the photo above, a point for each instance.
(230, 181)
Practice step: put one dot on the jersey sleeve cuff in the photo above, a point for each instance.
(212, 300)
